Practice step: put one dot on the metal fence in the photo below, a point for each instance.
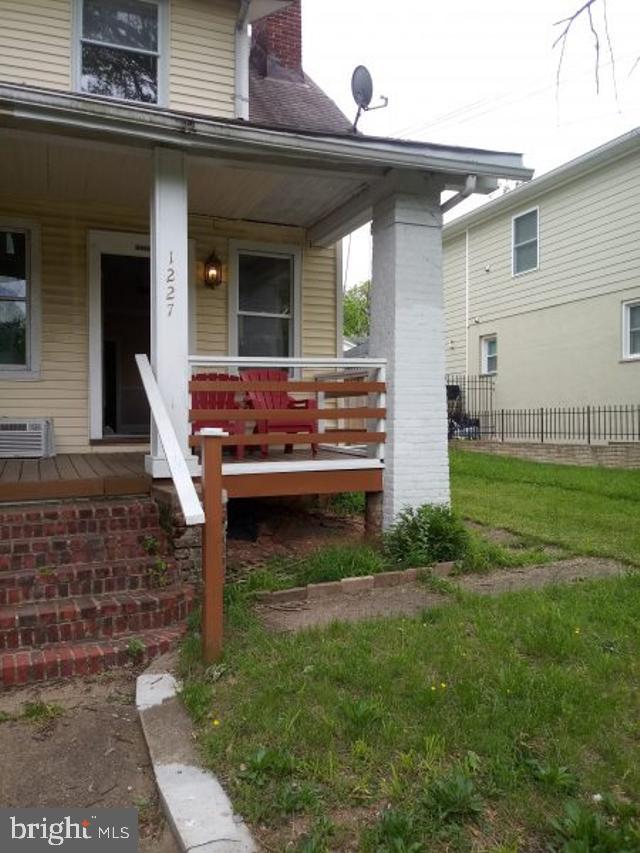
(584, 424)
(467, 395)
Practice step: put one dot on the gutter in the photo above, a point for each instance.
(243, 50)
(21, 106)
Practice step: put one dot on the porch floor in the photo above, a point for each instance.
(75, 475)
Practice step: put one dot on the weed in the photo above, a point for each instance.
(614, 829)
(553, 776)
(41, 712)
(6, 718)
(453, 797)
(429, 534)
(295, 798)
(361, 715)
(267, 763)
(135, 649)
(319, 838)
(46, 571)
(150, 545)
(160, 573)
(144, 807)
(395, 832)
(347, 503)
(197, 696)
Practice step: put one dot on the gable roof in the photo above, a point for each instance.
(526, 193)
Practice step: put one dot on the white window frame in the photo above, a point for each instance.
(162, 54)
(627, 355)
(484, 354)
(31, 370)
(515, 274)
(238, 247)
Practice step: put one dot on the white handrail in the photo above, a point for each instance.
(187, 495)
(263, 361)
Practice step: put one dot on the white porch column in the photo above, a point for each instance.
(407, 327)
(169, 300)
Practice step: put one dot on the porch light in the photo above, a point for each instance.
(213, 271)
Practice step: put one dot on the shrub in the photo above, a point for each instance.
(429, 534)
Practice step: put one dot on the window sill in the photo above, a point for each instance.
(630, 359)
(524, 272)
(19, 375)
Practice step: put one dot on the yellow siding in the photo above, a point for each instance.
(202, 51)
(36, 49)
(61, 391)
(35, 42)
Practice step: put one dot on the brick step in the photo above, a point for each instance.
(86, 579)
(52, 551)
(66, 518)
(64, 660)
(92, 617)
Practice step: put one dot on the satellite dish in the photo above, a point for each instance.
(362, 91)
(362, 87)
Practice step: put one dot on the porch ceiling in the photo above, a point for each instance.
(81, 171)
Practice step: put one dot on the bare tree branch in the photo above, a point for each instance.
(562, 38)
(596, 48)
(605, 10)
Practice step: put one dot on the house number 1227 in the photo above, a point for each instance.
(170, 293)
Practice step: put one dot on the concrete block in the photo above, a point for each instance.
(323, 590)
(352, 586)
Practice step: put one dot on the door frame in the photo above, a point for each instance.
(116, 243)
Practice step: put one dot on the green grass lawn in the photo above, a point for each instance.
(591, 511)
(488, 724)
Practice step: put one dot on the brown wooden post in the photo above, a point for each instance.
(212, 547)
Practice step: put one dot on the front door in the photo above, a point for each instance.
(120, 328)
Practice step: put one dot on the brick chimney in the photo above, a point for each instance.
(276, 44)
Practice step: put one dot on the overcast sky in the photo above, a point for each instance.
(480, 73)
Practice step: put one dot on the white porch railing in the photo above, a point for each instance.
(331, 382)
(187, 495)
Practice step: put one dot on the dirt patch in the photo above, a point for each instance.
(93, 754)
(412, 598)
(507, 539)
(260, 530)
(535, 577)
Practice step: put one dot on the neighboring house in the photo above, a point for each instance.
(542, 285)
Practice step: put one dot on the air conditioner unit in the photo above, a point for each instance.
(26, 437)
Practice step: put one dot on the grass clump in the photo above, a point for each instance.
(482, 556)
(41, 712)
(347, 503)
(331, 563)
(429, 534)
(613, 828)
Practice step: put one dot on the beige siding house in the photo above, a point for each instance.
(173, 184)
(542, 286)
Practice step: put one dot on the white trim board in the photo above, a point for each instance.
(291, 250)
(236, 468)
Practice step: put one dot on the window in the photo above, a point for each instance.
(489, 354)
(525, 242)
(631, 330)
(119, 49)
(18, 339)
(265, 322)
